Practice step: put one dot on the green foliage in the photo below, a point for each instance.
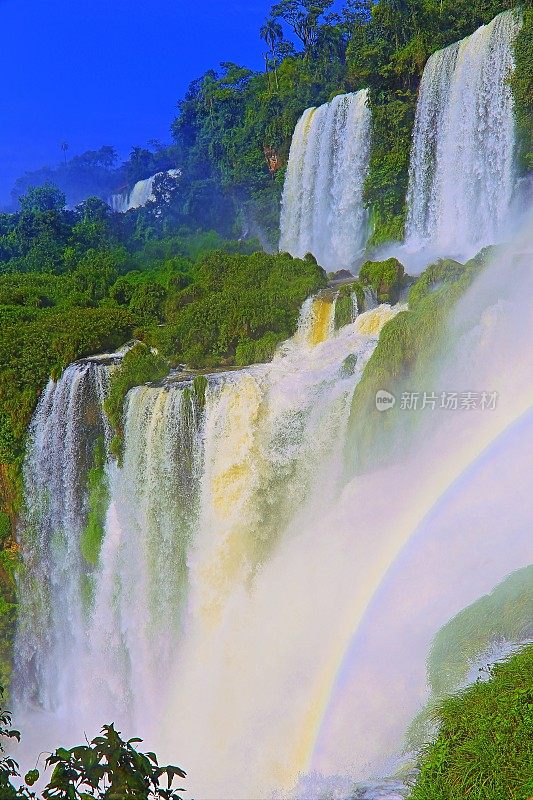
(344, 302)
(257, 351)
(98, 502)
(107, 768)
(9, 768)
(8, 604)
(522, 87)
(385, 189)
(483, 749)
(236, 304)
(139, 365)
(407, 350)
(385, 278)
(42, 199)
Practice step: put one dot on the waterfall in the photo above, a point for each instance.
(207, 490)
(462, 173)
(371, 299)
(251, 616)
(142, 192)
(65, 429)
(317, 320)
(322, 208)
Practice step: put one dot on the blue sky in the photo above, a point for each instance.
(94, 72)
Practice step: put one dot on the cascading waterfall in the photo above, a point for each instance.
(462, 171)
(322, 209)
(66, 428)
(205, 493)
(142, 586)
(142, 192)
(235, 578)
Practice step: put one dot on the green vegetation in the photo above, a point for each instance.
(522, 87)
(503, 616)
(385, 278)
(506, 614)
(98, 502)
(443, 271)
(236, 309)
(407, 351)
(139, 365)
(344, 302)
(105, 768)
(483, 749)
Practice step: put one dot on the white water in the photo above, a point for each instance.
(142, 192)
(199, 506)
(462, 173)
(65, 428)
(322, 209)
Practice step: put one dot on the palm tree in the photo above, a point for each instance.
(271, 32)
(64, 148)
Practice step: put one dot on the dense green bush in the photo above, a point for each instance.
(483, 749)
(236, 310)
(385, 278)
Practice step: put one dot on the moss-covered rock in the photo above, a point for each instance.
(385, 278)
(199, 386)
(443, 271)
(349, 365)
(344, 305)
(503, 616)
(405, 356)
(522, 88)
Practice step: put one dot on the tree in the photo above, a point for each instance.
(64, 148)
(302, 17)
(108, 768)
(42, 198)
(271, 32)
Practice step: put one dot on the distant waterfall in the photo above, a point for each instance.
(322, 210)
(141, 194)
(461, 173)
(55, 581)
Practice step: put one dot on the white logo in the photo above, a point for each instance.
(385, 400)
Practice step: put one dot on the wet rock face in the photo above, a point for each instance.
(341, 275)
